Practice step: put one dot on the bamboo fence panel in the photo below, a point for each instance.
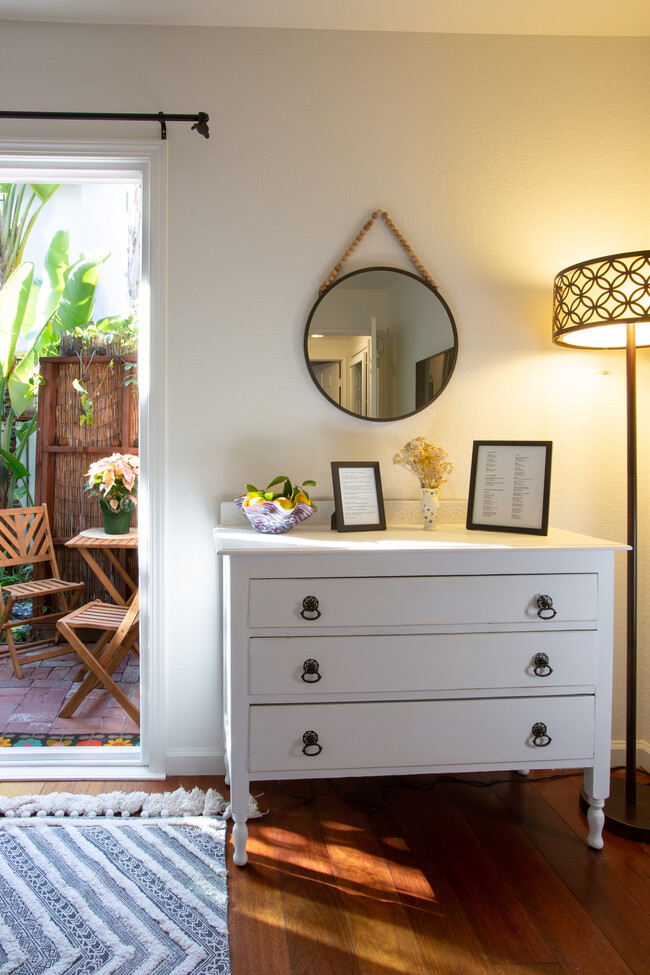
(65, 448)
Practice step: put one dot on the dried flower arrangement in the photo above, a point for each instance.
(426, 461)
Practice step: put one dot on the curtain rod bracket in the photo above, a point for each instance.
(163, 126)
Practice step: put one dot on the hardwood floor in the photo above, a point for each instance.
(416, 875)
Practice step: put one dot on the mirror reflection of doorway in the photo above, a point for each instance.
(328, 375)
(358, 401)
(346, 369)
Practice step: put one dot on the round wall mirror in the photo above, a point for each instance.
(381, 343)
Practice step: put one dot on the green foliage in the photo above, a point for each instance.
(17, 219)
(110, 331)
(131, 376)
(20, 327)
(87, 412)
(33, 316)
(75, 306)
(14, 298)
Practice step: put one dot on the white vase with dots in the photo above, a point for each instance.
(430, 506)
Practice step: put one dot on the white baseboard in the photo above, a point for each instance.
(642, 754)
(75, 773)
(196, 762)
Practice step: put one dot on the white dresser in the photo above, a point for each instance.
(407, 651)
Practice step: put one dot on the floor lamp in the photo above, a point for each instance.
(605, 304)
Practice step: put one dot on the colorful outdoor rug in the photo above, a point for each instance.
(113, 897)
(17, 740)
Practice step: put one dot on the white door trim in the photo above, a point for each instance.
(104, 160)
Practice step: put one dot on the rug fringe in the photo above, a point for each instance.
(150, 805)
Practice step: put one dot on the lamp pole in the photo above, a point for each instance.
(632, 562)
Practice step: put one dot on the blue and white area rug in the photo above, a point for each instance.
(113, 896)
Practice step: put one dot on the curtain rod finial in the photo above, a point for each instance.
(201, 125)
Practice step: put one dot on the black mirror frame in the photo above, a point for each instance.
(425, 284)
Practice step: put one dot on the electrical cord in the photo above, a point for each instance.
(364, 803)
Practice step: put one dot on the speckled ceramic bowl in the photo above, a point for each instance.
(271, 518)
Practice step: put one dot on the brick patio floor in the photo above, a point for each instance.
(31, 705)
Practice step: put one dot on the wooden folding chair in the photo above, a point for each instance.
(119, 626)
(25, 539)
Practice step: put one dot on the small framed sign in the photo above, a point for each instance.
(358, 498)
(510, 486)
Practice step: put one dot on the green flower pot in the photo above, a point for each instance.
(117, 522)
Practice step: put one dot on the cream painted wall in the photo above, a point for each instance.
(501, 159)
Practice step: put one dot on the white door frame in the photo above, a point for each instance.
(75, 161)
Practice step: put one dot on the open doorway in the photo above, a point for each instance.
(93, 403)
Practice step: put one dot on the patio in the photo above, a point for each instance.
(29, 707)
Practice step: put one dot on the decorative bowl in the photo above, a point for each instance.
(271, 518)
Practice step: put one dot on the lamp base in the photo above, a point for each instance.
(631, 820)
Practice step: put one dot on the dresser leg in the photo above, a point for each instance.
(596, 821)
(240, 836)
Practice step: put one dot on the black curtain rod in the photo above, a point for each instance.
(200, 119)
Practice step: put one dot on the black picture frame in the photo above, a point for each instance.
(358, 497)
(510, 486)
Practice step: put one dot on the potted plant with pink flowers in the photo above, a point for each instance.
(114, 480)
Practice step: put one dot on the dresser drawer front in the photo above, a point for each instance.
(421, 600)
(353, 664)
(418, 734)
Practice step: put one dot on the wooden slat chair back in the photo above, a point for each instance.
(26, 539)
(119, 627)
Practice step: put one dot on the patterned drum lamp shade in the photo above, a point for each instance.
(605, 304)
(594, 301)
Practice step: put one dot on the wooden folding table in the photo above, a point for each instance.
(92, 541)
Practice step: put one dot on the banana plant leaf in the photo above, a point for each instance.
(77, 299)
(18, 220)
(17, 468)
(45, 298)
(14, 298)
(56, 267)
(22, 381)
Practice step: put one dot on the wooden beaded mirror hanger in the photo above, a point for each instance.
(357, 240)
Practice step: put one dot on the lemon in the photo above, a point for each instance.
(301, 497)
(250, 497)
(284, 503)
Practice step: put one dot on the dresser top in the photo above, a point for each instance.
(399, 538)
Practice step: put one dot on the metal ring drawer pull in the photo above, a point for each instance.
(310, 744)
(545, 611)
(310, 605)
(540, 736)
(310, 673)
(542, 666)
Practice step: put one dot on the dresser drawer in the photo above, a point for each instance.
(344, 664)
(421, 600)
(417, 734)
